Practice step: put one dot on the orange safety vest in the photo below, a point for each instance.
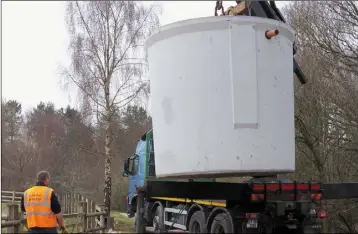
(37, 202)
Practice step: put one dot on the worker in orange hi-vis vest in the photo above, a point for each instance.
(43, 210)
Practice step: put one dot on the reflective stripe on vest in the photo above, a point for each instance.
(37, 203)
(39, 213)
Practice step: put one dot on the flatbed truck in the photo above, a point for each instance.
(267, 204)
(202, 205)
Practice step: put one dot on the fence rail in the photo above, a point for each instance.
(88, 216)
(11, 196)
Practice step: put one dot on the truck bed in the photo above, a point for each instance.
(209, 191)
(220, 203)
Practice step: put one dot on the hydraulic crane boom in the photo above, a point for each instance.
(264, 9)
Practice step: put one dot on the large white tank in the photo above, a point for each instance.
(222, 97)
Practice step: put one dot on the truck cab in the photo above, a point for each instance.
(140, 167)
(137, 168)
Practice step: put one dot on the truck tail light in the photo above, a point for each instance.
(257, 197)
(292, 191)
(316, 196)
(251, 215)
(322, 214)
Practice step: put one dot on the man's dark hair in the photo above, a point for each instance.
(42, 176)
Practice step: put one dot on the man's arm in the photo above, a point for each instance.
(22, 204)
(56, 209)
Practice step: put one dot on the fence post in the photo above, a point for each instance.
(93, 210)
(71, 203)
(88, 210)
(13, 196)
(84, 213)
(102, 221)
(79, 204)
(21, 226)
(13, 215)
(63, 203)
(68, 203)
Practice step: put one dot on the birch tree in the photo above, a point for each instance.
(107, 61)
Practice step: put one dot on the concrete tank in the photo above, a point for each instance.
(222, 97)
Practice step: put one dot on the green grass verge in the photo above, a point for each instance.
(122, 222)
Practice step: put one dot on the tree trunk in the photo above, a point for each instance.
(108, 141)
(107, 168)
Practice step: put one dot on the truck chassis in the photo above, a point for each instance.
(252, 207)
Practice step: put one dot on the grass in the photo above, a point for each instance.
(122, 222)
(76, 227)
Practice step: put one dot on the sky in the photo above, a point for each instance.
(35, 45)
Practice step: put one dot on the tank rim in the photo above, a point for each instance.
(208, 23)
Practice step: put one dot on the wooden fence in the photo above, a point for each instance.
(80, 213)
(11, 196)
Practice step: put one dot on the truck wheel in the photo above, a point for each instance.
(221, 224)
(197, 222)
(158, 220)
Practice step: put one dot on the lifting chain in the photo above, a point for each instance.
(239, 9)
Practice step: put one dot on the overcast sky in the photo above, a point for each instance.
(35, 42)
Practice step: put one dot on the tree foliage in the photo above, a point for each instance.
(326, 107)
(107, 67)
(60, 141)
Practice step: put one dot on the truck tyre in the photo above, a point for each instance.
(158, 220)
(221, 224)
(197, 223)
